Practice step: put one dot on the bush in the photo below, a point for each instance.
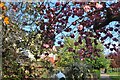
(78, 71)
(96, 74)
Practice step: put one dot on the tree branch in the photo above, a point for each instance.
(109, 18)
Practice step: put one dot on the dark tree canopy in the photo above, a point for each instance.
(51, 19)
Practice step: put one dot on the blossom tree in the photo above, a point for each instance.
(36, 27)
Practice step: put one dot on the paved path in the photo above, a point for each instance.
(105, 77)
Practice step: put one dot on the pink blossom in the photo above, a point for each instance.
(80, 27)
(46, 45)
(98, 6)
(42, 56)
(92, 1)
(87, 8)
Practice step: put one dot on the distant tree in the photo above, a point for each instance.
(84, 60)
(115, 60)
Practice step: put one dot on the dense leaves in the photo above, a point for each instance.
(115, 61)
(33, 28)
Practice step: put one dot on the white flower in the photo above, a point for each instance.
(0, 17)
(14, 45)
(98, 6)
(6, 39)
(28, 54)
(54, 48)
(17, 50)
(51, 55)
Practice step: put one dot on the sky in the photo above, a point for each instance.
(109, 40)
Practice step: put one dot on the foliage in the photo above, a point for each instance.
(114, 75)
(78, 71)
(44, 22)
(66, 56)
(50, 19)
(114, 57)
(71, 53)
(99, 62)
(96, 74)
(71, 57)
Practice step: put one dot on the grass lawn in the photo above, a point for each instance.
(114, 75)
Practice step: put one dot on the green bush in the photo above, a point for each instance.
(97, 73)
(78, 71)
(99, 62)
